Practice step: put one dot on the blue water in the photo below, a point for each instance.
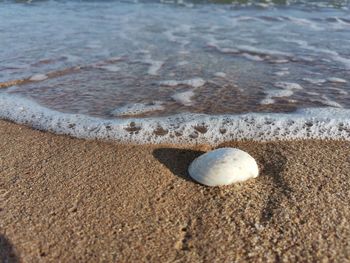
(114, 59)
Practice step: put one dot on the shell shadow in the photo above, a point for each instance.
(7, 251)
(177, 160)
(280, 189)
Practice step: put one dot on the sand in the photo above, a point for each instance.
(69, 200)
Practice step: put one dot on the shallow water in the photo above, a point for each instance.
(242, 58)
(117, 59)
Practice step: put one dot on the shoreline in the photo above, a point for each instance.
(183, 128)
(79, 200)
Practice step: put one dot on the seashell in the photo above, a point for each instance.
(223, 166)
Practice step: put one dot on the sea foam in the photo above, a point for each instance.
(195, 82)
(184, 97)
(38, 77)
(270, 94)
(137, 108)
(288, 85)
(111, 68)
(317, 123)
(337, 80)
(315, 81)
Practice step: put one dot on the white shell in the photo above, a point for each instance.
(223, 166)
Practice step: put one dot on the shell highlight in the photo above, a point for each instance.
(223, 166)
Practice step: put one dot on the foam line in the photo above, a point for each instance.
(320, 123)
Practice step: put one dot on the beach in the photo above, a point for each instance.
(105, 104)
(71, 200)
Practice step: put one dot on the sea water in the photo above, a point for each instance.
(177, 71)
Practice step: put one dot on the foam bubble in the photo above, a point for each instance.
(340, 91)
(111, 68)
(184, 97)
(138, 108)
(314, 81)
(270, 94)
(288, 85)
(344, 61)
(94, 44)
(260, 51)
(253, 53)
(155, 66)
(220, 74)
(38, 77)
(263, 5)
(322, 50)
(282, 73)
(306, 58)
(170, 83)
(227, 50)
(170, 34)
(312, 93)
(267, 101)
(337, 80)
(326, 101)
(252, 57)
(195, 82)
(279, 61)
(182, 63)
(115, 59)
(320, 123)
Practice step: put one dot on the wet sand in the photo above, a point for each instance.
(69, 200)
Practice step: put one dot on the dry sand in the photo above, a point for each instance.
(69, 200)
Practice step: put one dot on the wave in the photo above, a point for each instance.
(316, 123)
